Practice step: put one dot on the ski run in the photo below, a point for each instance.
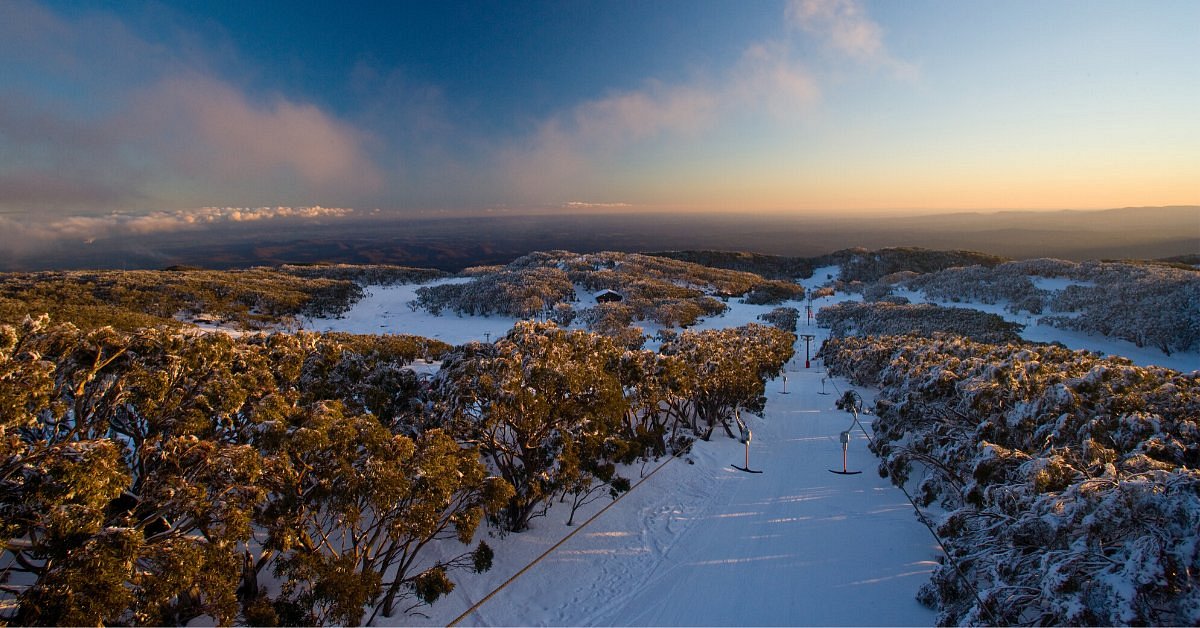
(699, 542)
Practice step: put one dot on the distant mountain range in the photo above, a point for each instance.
(452, 243)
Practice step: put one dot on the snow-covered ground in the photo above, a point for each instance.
(385, 310)
(700, 543)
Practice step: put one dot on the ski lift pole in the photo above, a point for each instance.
(807, 339)
(745, 437)
(845, 438)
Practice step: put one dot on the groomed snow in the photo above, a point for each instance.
(705, 544)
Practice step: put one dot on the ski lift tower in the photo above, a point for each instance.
(808, 338)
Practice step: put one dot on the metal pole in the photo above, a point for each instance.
(807, 339)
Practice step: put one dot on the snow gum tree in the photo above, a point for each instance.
(150, 477)
(728, 369)
(368, 374)
(523, 398)
(784, 318)
(659, 390)
(353, 505)
(122, 500)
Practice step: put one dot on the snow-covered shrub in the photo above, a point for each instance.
(1156, 305)
(666, 291)
(1148, 305)
(774, 292)
(1069, 479)
(884, 318)
(860, 264)
(520, 294)
(784, 318)
(876, 291)
(365, 274)
(979, 283)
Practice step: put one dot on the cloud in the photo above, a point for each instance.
(23, 236)
(575, 146)
(96, 116)
(844, 27)
(583, 150)
(565, 147)
(767, 78)
(205, 127)
(588, 205)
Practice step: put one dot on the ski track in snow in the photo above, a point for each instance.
(701, 543)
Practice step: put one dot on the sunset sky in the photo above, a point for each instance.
(804, 106)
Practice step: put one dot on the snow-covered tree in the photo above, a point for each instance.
(881, 318)
(784, 318)
(522, 398)
(352, 506)
(728, 369)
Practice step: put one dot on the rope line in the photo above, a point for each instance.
(546, 553)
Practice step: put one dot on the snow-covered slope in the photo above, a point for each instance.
(700, 543)
(706, 544)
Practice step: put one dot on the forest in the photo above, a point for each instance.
(252, 299)
(155, 473)
(153, 477)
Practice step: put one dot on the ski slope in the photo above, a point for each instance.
(698, 542)
(704, 544)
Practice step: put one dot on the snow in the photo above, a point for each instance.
(823, 276)
(385, 310)
(700, 543)
(1058, 284)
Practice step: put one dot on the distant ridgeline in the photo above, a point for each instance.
(153, 474)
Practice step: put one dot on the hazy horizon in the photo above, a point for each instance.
(234, 238)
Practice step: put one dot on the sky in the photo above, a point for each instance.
(173, 112)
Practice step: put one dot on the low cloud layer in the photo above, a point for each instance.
(22, 237)
(591, 205)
